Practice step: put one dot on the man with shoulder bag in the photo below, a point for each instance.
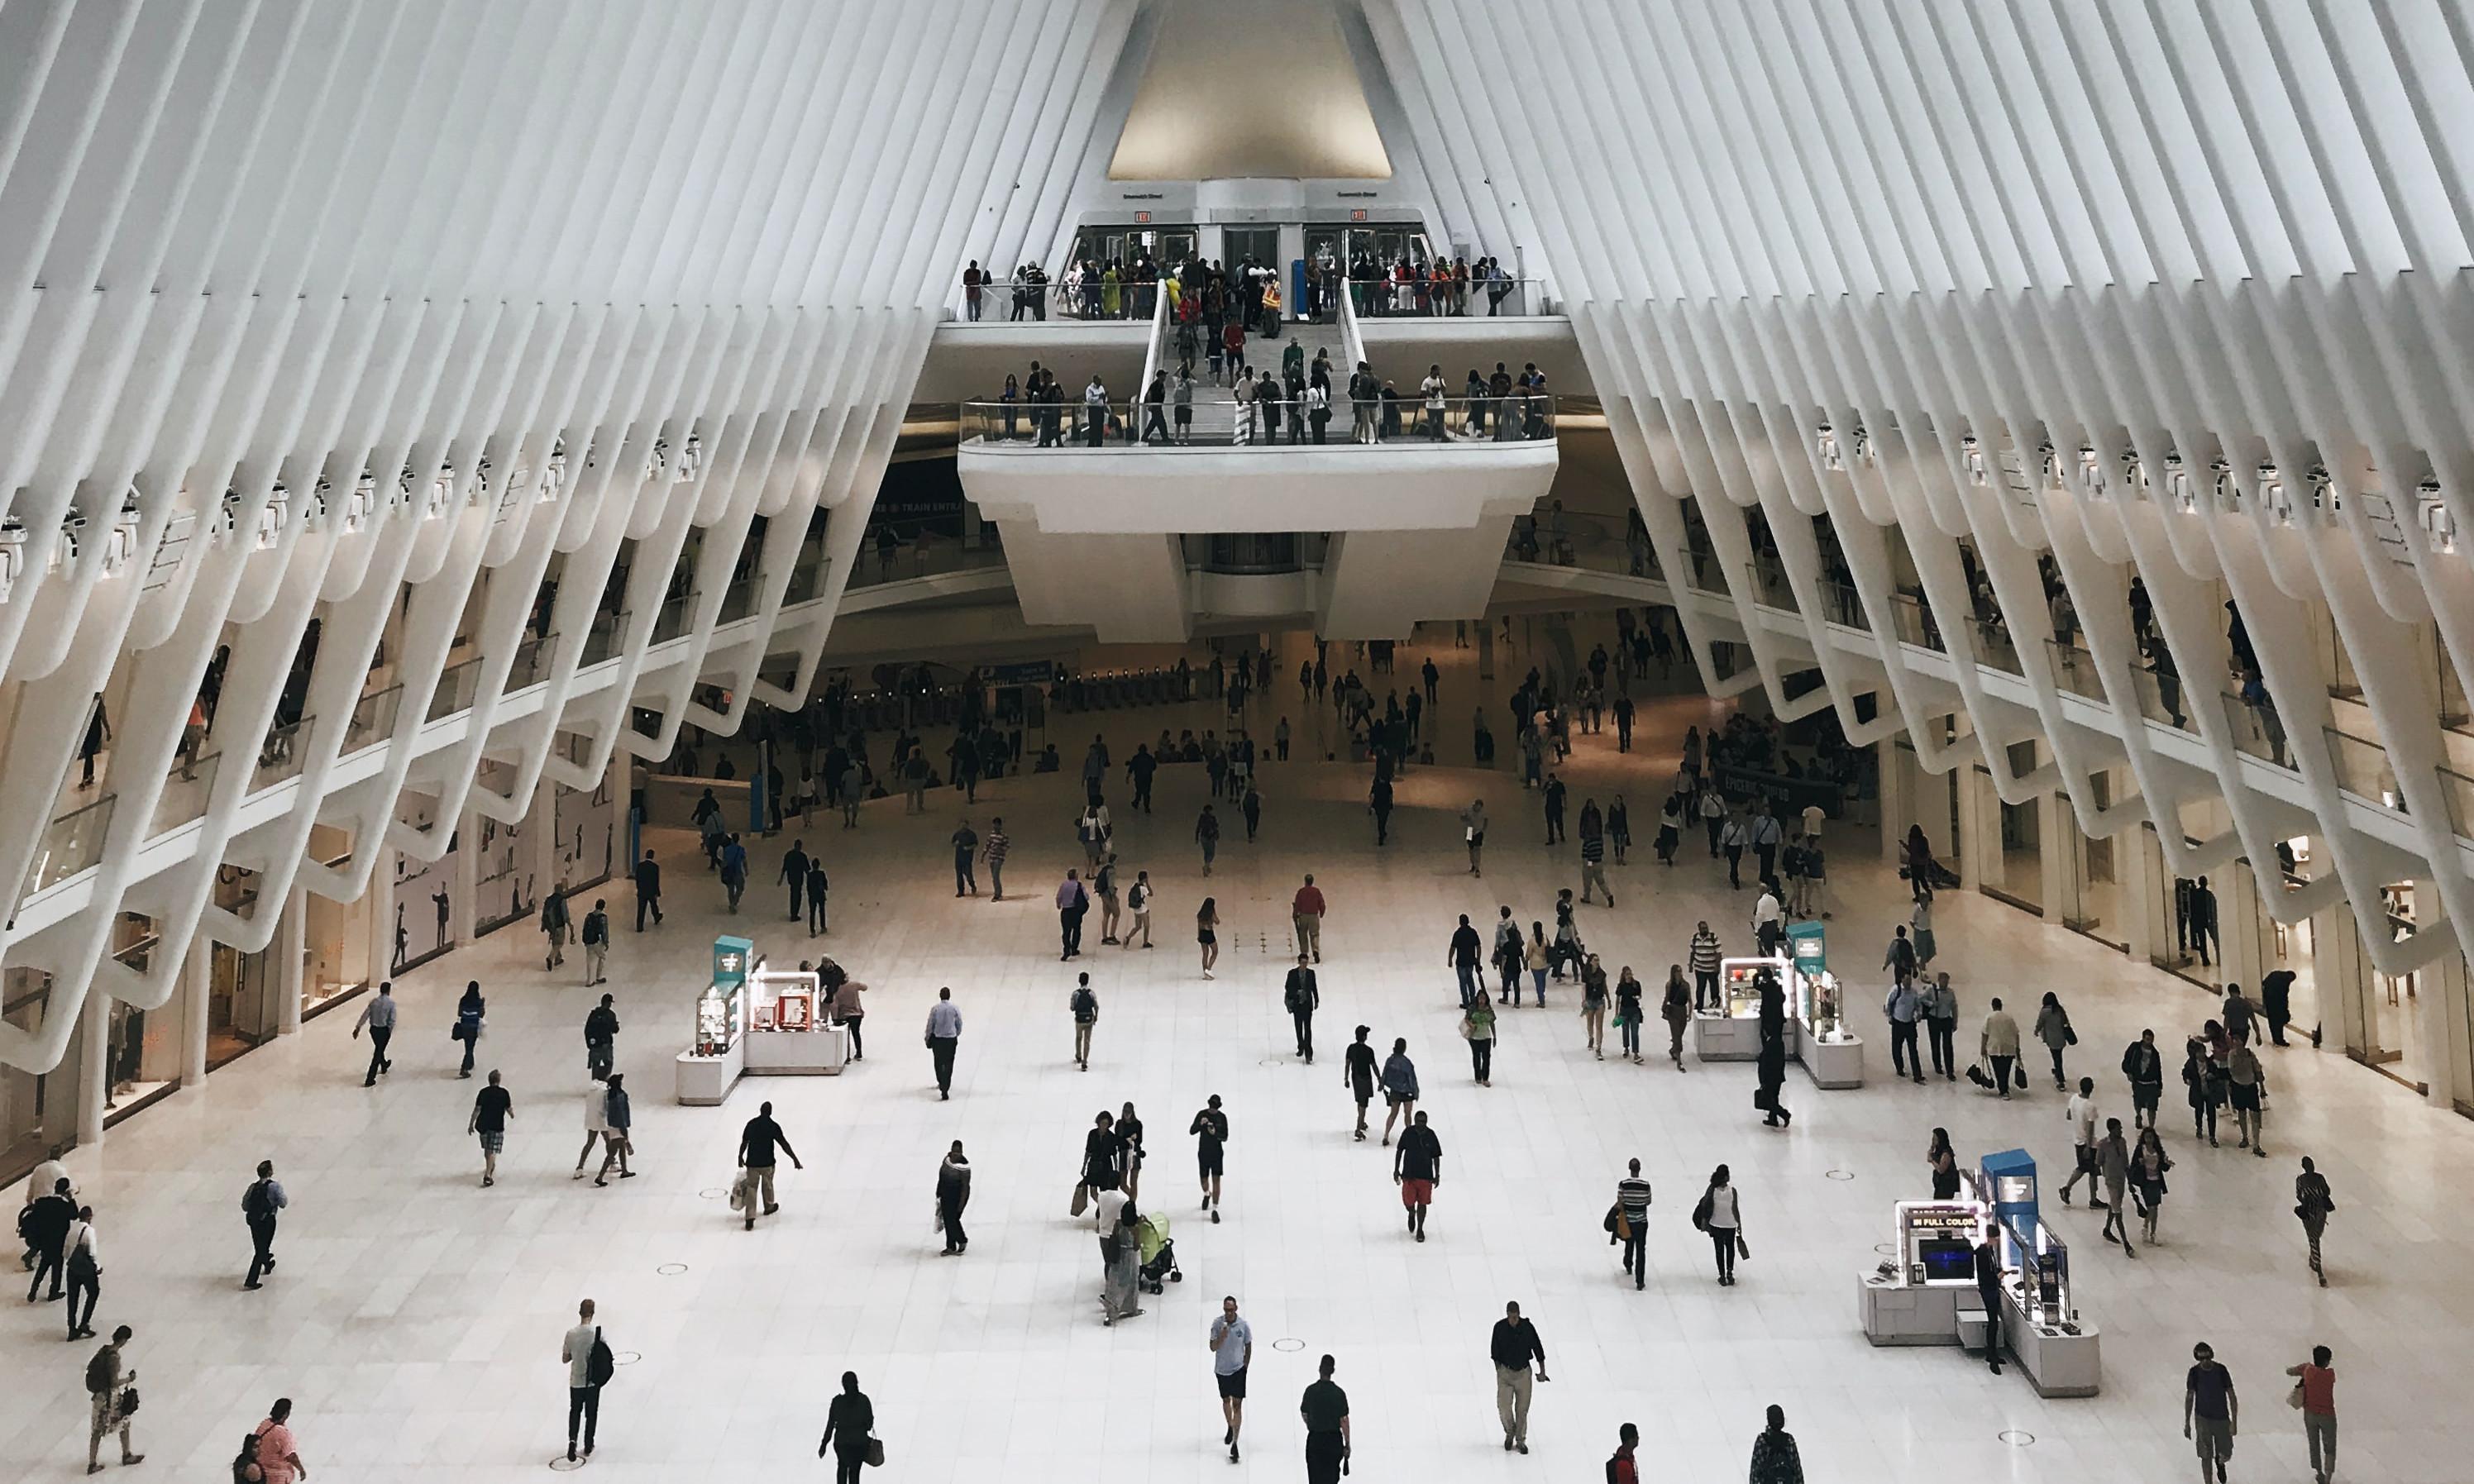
(112, 1394)
(590, 1364)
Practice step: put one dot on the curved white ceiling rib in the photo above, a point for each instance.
(2172, 233)
(255, 244)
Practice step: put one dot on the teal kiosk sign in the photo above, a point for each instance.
(733, 958)
(1804, 948)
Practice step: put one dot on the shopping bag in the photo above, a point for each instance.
(876, 1452)
(1082, 1201)
(1743, 1249)
(739, 1192)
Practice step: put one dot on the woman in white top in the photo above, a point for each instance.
(597, 1122)
(1433, 388)
(1723, 1219)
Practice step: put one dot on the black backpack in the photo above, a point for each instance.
(599, 1366)
(255, 1202)
(243, 1464)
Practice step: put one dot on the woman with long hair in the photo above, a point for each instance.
(1206, 921)
(1676, 1008)
(2148, 1163)
(1943, 1162)
(1594, 1016)
(1627, 1013)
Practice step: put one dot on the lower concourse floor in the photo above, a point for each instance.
(416, 1318)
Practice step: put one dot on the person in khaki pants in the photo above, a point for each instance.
(1307, 913)
(1513, 1344)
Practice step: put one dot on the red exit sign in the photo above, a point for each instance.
(1357, 214)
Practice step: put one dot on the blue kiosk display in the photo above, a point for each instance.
(2040, 1322)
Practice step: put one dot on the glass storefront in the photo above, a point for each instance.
(23, 1142)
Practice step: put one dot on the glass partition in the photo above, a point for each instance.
(2074, 670)
(672, 619)
(603, 639)
(1770, 587)
(1914, 620)
(458, 686)
(1398, 297)
(372, 719)
(185, 793)
(2256, 729)
(72, 842)
(2363, 769)
(1213, 419)
(283, 754)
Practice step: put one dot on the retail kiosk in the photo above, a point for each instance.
(1925, 1293)
(755, 1021)
(1817, 1034)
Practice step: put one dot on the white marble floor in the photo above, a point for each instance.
(416, 1318)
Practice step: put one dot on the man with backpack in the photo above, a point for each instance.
(259, 1205)
(600, 1038)
(1085, 1005)
(554, 925)
(106, 1386)
(596, 943)
(590, 1365)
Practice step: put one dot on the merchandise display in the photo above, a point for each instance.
(752, 1020)
(1917, 1295)
(1817, 1032)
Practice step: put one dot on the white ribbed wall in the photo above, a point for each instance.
(244, 241)
(2236, 229)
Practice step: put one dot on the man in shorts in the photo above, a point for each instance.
(1232, 1350)
(1417, 1166)
(2210, 1412)
(1210, 1131)
(1357, 1074)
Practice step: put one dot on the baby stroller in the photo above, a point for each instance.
(1159, 1256)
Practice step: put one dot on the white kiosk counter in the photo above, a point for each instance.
(1832, 1055)
(755, 1021)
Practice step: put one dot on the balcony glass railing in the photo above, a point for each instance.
(2257, 730)
(1841, 604)
(2074, 670)
(2458, 790)
(185, 793)
(739, 599)
(1216, 421)
(72, 842)
(2161, 699)
(283, 754)
(603, 639)
(1914, 620)
(1076, 297)
(458, 685)
(372, 719)
(1255, 554)
(1995, 646)
(1395, 298)
(1770, 587)
(672, 619)
(2363, 769)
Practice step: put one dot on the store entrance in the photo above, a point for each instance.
(1261, 244)
(1166, 246)
(240, 1002)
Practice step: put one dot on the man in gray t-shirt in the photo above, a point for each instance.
(1232, 1350)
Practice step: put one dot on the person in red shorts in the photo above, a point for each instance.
(1417, 1166)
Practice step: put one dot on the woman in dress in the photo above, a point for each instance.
(2312, 1205)
(1120, 1267)
(2148, 1163)
(1943, 1162)
(1670, 828)
(1206, 922)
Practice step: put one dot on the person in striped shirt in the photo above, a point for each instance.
(1593, 854)
(993, 846)
(1632, 1202)
(1704, 968)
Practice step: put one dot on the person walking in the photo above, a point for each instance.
(2148, 1163)
(259, 1204)
(83, 1264)
(1942, 1160)
(756, 1142)
(1905, 1009)
(1130, 1133)
(1357, 1074)
(1704, 956)
(2203, 1087)
(2113, 1163)
(1775, 1459)
(1721, 1215)
(2142, 1066)
(1306, 912)
(1085, 1005)
(1629, 1014)
(2080, 1114)
(1552, 801)
(1623, 1467)
(1302, 999)
(953, 1193)
(1474, 831)
(1073, 901)
(1417, 1168)
(966, 845)
(45, 1225)
(2246, 1080)
(993, 846)
(279, 1453)
(795, 875)
(1632, 1225)
(1104, 1155)
(2312, 1205)
(2315, 1387)
(597, 1122)
(1999, 1044)
(1324, 1408)
(492, 1108)
(733, 873)
(648, 874)
(106, 1383)
(1210, 1131)
(1677, 1010)
(849, 1014)
(1138, 906)
(1594, 1016)
(817, 885)
(1232, 1350)
(472, 1012)
(1206, 932)
(1941, 1025)
(2053, 1029)
(1988, 1294)
(596, 937)
(1461, 957)
(1513, 1344)
(2210, 1411)
(1206, 834)
(601, 1038)
(944, 1035)
(555, 924)
(377, 1018)
(1770, 1067)
(1104, 886)
(1477, 1028)
(1400, 1086)
(1593, 854)
(850, 1431)
(617, 1142)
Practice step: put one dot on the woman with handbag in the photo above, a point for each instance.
(84, 1272)
(1943, 1162)
(2148, 1163)
(2312, 1205)
(470, 1011)
(849, 1425)
(1721, 1216)
(1477, 1028)
(1594, 1014)
(1676, 1010)
(2199, 1086)
(2053, 1029)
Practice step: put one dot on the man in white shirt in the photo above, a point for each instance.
(2082, 1112)
(1813, 817)
(583, 1395)
(1767, 917)
(379, 1018)
(1232, 1350)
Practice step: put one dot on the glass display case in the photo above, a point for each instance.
(721, 1017)
(789, 1032)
